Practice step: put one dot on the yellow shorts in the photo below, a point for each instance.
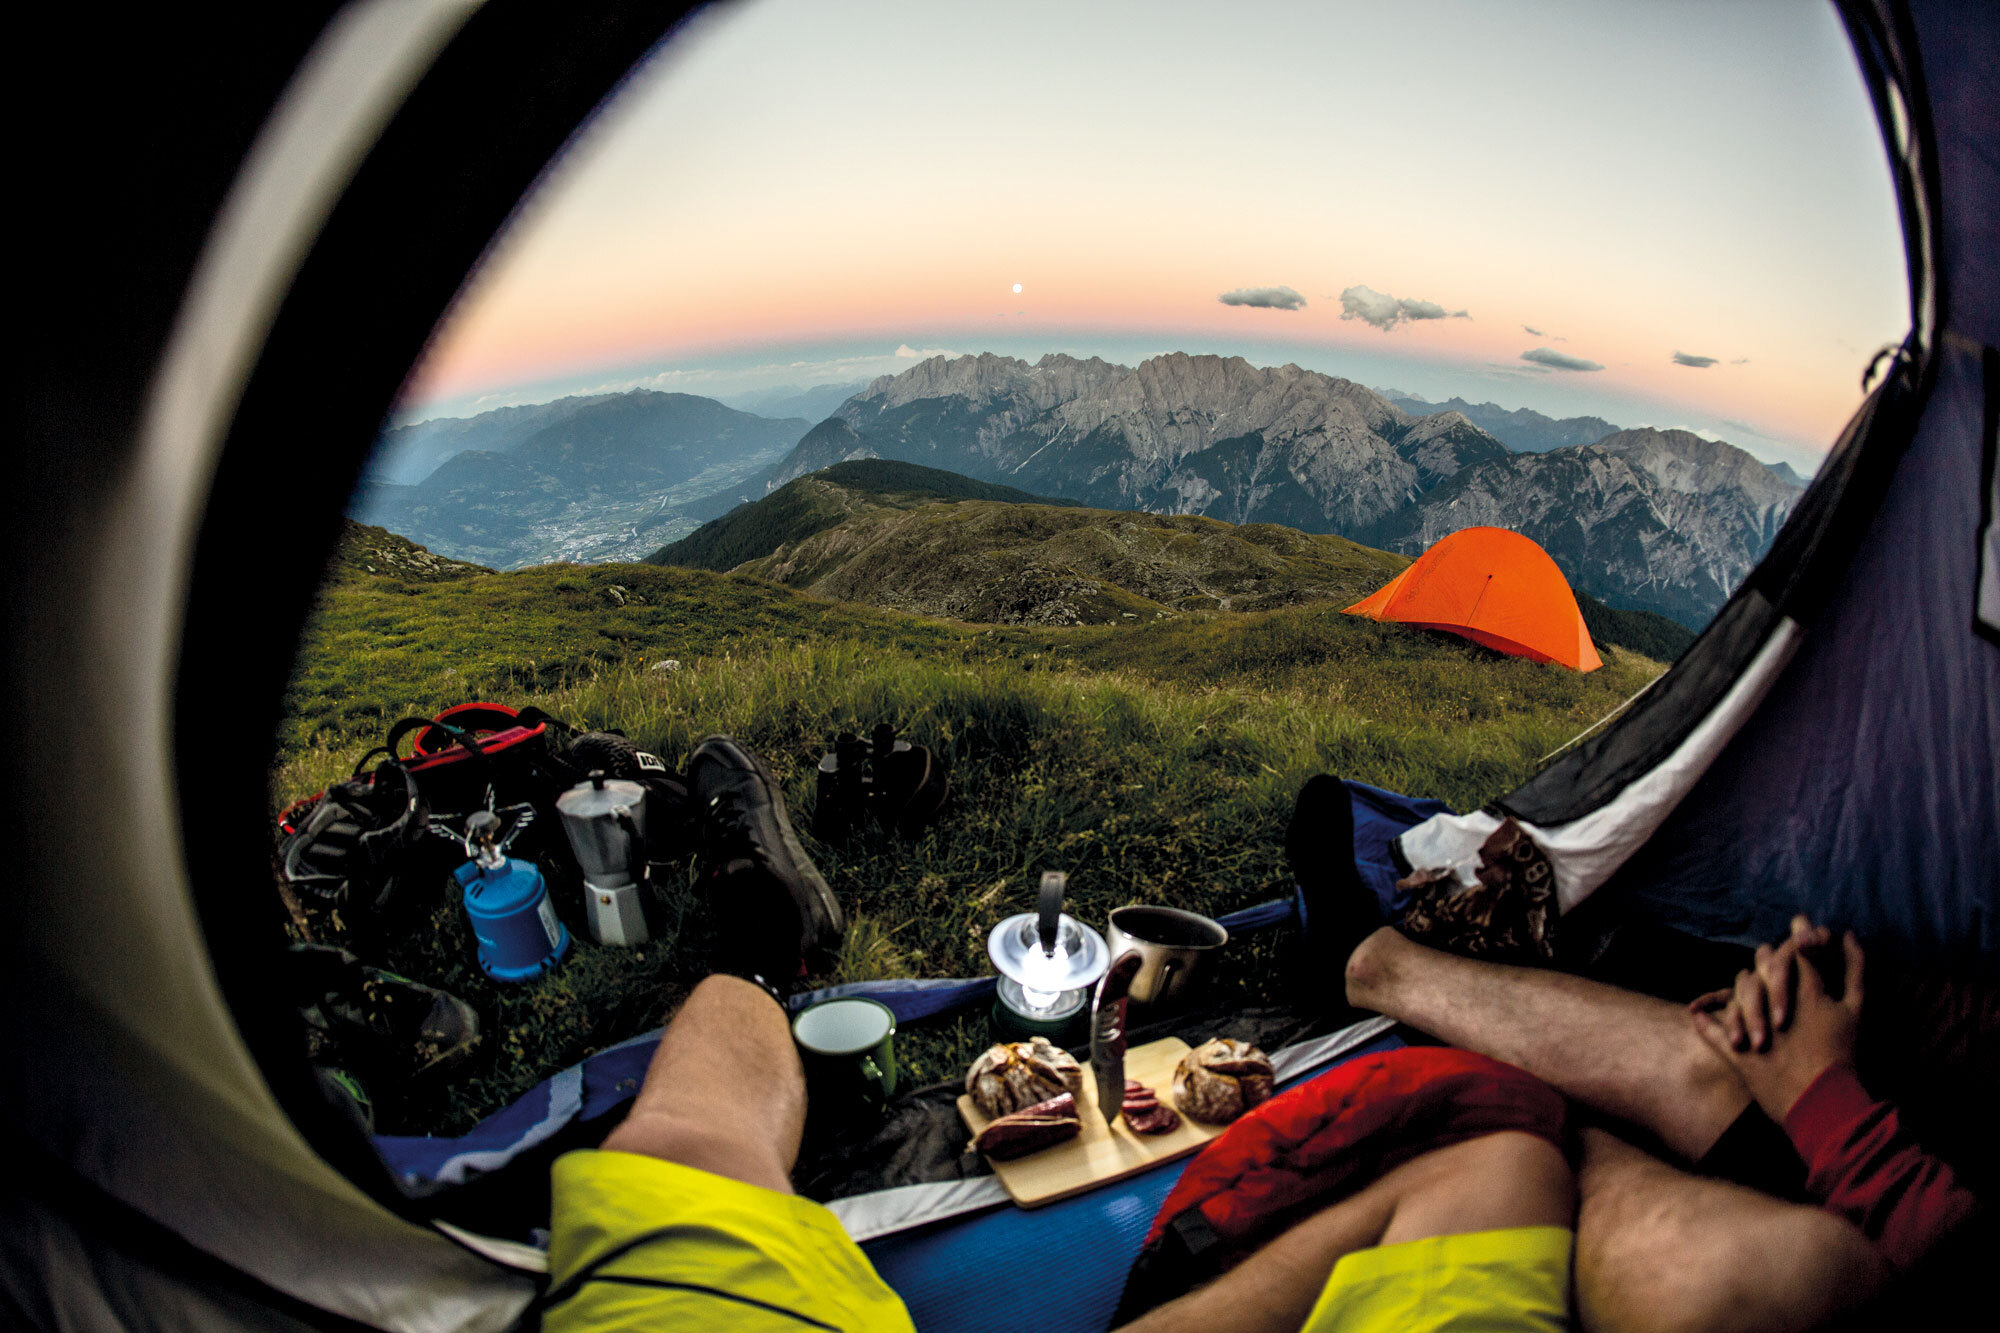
(1511, 1281)
(638, 1243)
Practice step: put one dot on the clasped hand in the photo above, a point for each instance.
(1778, 1027)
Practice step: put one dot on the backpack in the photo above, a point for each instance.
(1318, 1143)
(361, 841)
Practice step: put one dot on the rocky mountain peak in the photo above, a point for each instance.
(1693, 464)
(978, 378)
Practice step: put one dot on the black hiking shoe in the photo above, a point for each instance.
(384, 1025)
(1339, 911)
(776, 908)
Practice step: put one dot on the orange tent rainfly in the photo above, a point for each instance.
(1494, 587)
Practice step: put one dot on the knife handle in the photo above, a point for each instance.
(1054, 884)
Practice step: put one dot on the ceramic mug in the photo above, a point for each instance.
(1171, 941)
(848, 1046)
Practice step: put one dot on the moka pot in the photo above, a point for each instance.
(605, 820)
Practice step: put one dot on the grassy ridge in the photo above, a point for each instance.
(1156, 763)
(824, 499)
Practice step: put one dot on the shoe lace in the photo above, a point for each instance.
(727, 830)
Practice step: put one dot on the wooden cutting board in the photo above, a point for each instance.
(1101, 1153)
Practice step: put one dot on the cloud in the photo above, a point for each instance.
(1554, 360)
(1735, 427)
(1385, 312)
(1264, 298)
(1698, 362)
(1739, 361)
(909, 353)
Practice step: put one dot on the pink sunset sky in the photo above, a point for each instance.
(1691, 197)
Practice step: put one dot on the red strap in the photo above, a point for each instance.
(481, 719)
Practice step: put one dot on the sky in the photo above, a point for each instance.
(1671, 215)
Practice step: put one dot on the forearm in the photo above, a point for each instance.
(1862, 1164)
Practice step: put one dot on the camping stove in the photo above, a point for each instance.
(605, 819)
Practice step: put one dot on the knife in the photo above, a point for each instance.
(1107, 1033)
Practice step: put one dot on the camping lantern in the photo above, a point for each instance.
(1047, 961)
(508, 905)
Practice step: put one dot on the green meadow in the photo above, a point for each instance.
(1155, 762)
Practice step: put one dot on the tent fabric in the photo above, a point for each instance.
(1585, 852)
(1862, 792)
(1494, 587)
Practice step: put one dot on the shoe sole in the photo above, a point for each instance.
(823, 937)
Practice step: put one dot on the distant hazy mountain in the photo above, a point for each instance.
(596, 478)
(406, 455)
(1663, 521)
(789, 400)
(1523, 429)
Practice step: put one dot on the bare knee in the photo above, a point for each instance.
(1490, 1183)
(1372, 966)
(1659, 1251)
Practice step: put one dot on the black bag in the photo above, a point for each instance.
(360, 841)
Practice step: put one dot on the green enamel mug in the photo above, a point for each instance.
(848, 1046)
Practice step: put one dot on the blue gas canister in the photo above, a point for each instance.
(508, 905)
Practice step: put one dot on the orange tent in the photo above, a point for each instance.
(1496, 588)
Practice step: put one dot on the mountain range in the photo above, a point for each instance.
(1663, 521)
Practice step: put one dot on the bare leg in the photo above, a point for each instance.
(1628, 1055)
(1501, 1180)
(725, 1092)
(1660, 1251)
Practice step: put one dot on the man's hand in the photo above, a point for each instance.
(1778, 1058)
(1763, 995)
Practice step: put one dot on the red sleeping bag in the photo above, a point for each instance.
(1319, 1143)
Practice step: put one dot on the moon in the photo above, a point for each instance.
(1017, 288)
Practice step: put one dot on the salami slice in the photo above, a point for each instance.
(1031, 1129)
(1143, 1112)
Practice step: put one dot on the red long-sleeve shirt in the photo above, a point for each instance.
(1862, 1164)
